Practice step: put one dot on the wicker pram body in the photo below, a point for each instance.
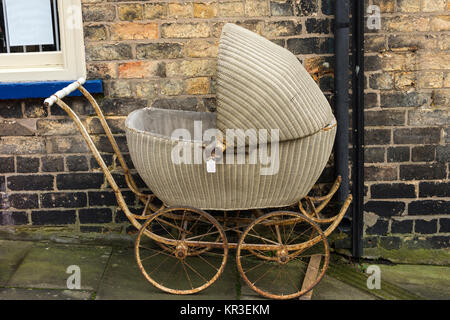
(260, 86)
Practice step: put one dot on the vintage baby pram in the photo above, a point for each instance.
(215, 191)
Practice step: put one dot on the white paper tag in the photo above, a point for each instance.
(211, 166)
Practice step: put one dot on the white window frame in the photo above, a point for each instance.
(67, 64)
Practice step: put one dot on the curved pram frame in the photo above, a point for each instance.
(277, 251)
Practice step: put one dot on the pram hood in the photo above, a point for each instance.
(261, 85)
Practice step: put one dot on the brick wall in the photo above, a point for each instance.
(407, 122)
(163, 53)
(149, 53)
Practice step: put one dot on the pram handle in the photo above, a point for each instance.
(64, 92)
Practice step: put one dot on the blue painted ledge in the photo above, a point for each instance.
(43, 89)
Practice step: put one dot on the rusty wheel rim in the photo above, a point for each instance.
(279, 273)
(184, 267)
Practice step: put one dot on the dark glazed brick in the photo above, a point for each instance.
(75, 181)
(439, 242)
(429, 207)
(379, 228)
(63, 200)
(426, 227)
(310, 45)
(390, 243)
(187, 104)
(121, 107)
(443, 153)
(23, 201)
(377, 136)
(318, 26)
(384, 118)
(392, 191)
(404, 226)
(402, 99)
(444, 225)
(77, 163)
(30, 182)
(372, 173)
(385, 208)
(52, 164)
(95, 215)
(2, 184)
(372, 63)
(370, 100)
(27, 164)
(417, 136)
(103, 144)
(372, 155)
(53, 217)
(422, 171)
(107, 158)
(370, 242)
(434, 189)
(108, 198)
(7, 164)
(423, 153)
(13, 218)
(398, 154)
(328, 7)
(306, 8)
(10, 109)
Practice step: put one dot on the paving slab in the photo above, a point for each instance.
(43, 294)
(332, 289)
(430, 282)
(328, 288)
(123, 280)
(45, 266)
(11, 254)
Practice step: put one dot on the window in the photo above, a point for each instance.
(41, 40)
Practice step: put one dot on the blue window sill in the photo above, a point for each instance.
(44, 89)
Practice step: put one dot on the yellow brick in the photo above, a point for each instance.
(256, 8)
(192, 68)
(431, 80)
(134, 31)
(405, 80)
(231, 9)
(434, 5)
(155, 10)
(407, 23)
(180, 10)
(408, 5)
(201, 48)
(205, 10)
(185, 30)
(440, 23)
(197, 85)
(139, 69)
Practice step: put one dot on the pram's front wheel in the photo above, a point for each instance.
(282, 255)
(184, 250)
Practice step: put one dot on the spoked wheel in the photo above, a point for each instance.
(274, 254)
(188, 252)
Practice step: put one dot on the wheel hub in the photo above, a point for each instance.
(181, 251)
(283, 256)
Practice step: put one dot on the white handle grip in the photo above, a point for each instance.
(64, 92)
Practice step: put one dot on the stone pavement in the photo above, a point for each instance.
(37, 270)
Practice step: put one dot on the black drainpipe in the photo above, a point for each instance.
(358, 128)
(341, 82)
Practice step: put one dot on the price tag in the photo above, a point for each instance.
(211, 166)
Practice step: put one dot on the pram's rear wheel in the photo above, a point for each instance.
(190, 252)
(274, 254)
